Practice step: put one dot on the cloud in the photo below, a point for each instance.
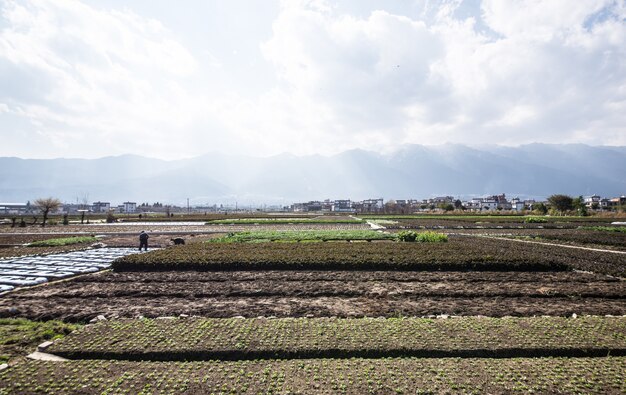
(77, 80)
(83, 75)
(542, 72)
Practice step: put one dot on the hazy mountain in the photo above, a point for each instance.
(534, 170)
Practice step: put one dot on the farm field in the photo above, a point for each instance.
(578, 237)
(296, 293)
(304, 313)
(172, 228)
(288, 338)
(310, 376)
(488, 222)
(460, 253)
(20, 336)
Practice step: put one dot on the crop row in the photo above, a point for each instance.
(460, 253)
(344, 376)
(581, 237)
(304, 235)
(620, 229)
(208, 285)
(270, 221)
(207, 217)
(489, 218)
(238, 338)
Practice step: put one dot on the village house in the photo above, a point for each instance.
(101, 207)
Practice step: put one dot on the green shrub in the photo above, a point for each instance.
(535, 220)
(431, 237)
(407, 235)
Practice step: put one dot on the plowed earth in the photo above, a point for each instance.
(319, 294)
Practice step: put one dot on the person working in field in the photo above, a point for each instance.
(143, 240)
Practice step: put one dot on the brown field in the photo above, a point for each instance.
(319, 294)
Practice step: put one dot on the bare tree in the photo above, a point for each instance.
(84, 204)
(45, 205)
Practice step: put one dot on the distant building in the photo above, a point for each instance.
(371, 205)
(517, 204)
(342, 206)
(14, 208)
(130, 207)
(101, 207)
(313, 205)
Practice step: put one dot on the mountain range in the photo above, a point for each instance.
(415, 171)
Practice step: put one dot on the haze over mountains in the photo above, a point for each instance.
(416, 171)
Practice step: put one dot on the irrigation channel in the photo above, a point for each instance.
(33, 270)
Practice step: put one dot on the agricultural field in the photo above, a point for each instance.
(63, 241)
(460, 253)
(579, 237)
(487, 221)
(19, 337)
(337, 308)
(300, 338)
(297, 293)
(325, 376)
(272, 221)
(303, 236)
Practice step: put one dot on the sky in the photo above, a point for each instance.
(173, 80)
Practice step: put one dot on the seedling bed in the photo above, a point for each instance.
(235, 339)
(460, 253)
(307, 376)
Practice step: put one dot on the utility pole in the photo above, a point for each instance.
(187, 205)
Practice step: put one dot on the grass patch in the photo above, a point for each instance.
(302, 236)
(64, 241)
(19, 337)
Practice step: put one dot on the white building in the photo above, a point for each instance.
(489, 204)
(13, 208)
(517, 204)
(342, 206)
(130, 207)
(591, 200)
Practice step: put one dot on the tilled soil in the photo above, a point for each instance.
(319, 294)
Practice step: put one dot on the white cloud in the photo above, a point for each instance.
(553, 71)
(111, 78)
(96, 81)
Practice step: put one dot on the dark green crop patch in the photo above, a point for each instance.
(457, 254)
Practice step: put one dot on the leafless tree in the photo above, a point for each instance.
(45, 205)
